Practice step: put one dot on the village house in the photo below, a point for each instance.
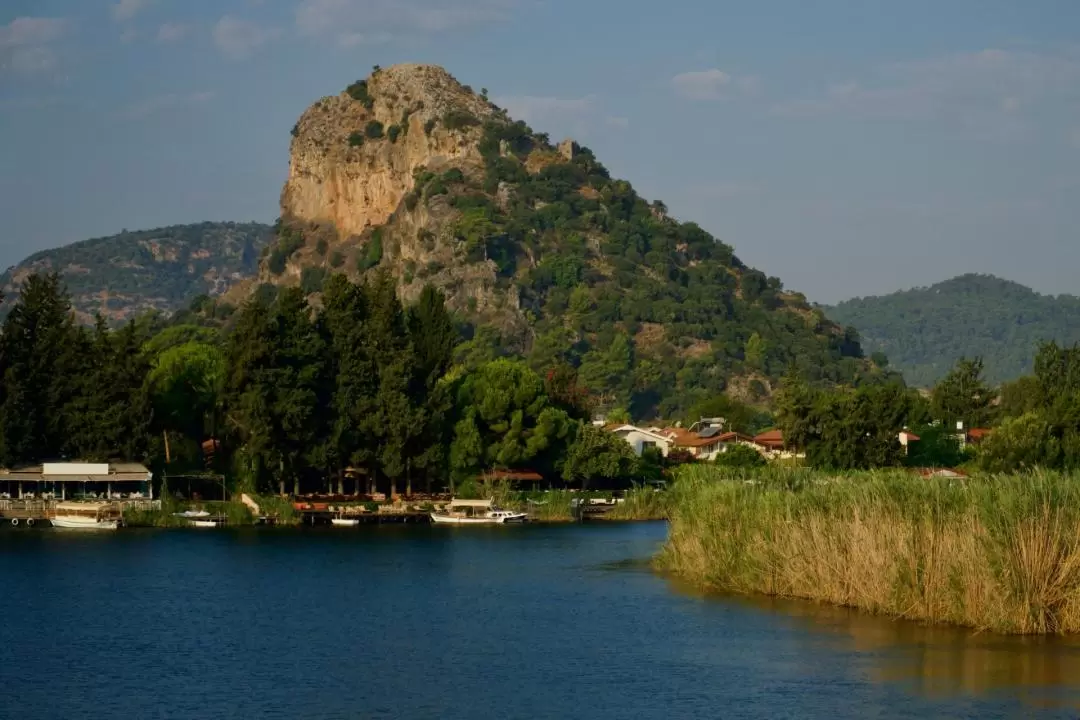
(641, 438)
(707, 443)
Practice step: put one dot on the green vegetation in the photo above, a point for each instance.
(373, 130)
(997, 553)
(657, 316)
(460, 120)
(136, 272)
(393, 132)
(359, 91)
(373, 252)
(923, 331)
(289, 241)
(294, 395)
(356, 139)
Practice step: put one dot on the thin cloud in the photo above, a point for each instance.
(126, 10)
(353, 22)
(238, 38)
(712, 84)
(172, 32)
(27, 43)
(165, 103)
(574, 115)
(988, 91)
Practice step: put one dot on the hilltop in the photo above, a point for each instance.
(123, 275)
(924, 331)
(539, 250)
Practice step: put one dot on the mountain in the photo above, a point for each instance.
(924, 331)
(163, 269)
(539, 250)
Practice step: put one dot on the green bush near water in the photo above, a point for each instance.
(998, 553)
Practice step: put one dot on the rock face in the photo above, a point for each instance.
(357, 186)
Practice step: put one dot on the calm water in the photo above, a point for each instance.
(528, 622)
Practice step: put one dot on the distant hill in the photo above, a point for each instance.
(163, 269)
(924, 330)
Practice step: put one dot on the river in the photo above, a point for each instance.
(419, 622)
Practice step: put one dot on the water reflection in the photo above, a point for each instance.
(936, 661)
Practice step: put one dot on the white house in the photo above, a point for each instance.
(641, 438)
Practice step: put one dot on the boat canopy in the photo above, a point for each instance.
(456, 502)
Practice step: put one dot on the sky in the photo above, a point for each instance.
(850, 147)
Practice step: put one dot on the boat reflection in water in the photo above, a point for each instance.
(936, 661)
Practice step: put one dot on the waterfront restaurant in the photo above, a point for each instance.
(77, 481)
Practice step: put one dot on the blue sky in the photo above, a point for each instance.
(850, 148)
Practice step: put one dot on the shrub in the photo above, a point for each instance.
(453, 175)
(356, 139)
(337, 259)
(429, 126)
(359, 91)
(295, 132)
(374, 130)
(322, 246)
(411, 200)
(740, 456)
(373, 252)
(393, 132)
(312, 279)
(459, 120)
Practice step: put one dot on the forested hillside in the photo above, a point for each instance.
(123, 275)
(540, 252)
(924, 331)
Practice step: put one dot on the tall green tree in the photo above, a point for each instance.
(963, 396)
(595, 455)
(433, 337)
(39, 371)
(505, 419)
(393, 421)
(355, 377)
(275, 388)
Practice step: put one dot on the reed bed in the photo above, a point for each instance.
(642, 503)
(997, 553)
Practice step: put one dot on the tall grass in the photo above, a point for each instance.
(642, 503)
(998, 553)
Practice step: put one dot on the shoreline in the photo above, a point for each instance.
(998, 554)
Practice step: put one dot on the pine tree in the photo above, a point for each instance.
(36, 345)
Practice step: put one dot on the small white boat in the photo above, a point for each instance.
(192, 514)
(344, 522)
(85, 516)
(476, 512)
(206, 523)
(82, 522)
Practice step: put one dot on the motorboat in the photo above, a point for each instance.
(476, 512)
(211, 523)
(80, 522)
(192, 514)
(84, 516)
(344, 522)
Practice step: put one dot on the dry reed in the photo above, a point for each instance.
(997, 553)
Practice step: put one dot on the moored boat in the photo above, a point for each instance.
(476, 512)
(344, 522)
(84, 516)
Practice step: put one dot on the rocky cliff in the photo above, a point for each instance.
(539, 251)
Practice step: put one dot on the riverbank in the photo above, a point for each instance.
(553, 506)
(999, 553)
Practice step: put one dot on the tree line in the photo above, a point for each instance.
(361, 389)
(1033, 421)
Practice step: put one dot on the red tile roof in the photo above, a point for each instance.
(770, 438)
(525, 475)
